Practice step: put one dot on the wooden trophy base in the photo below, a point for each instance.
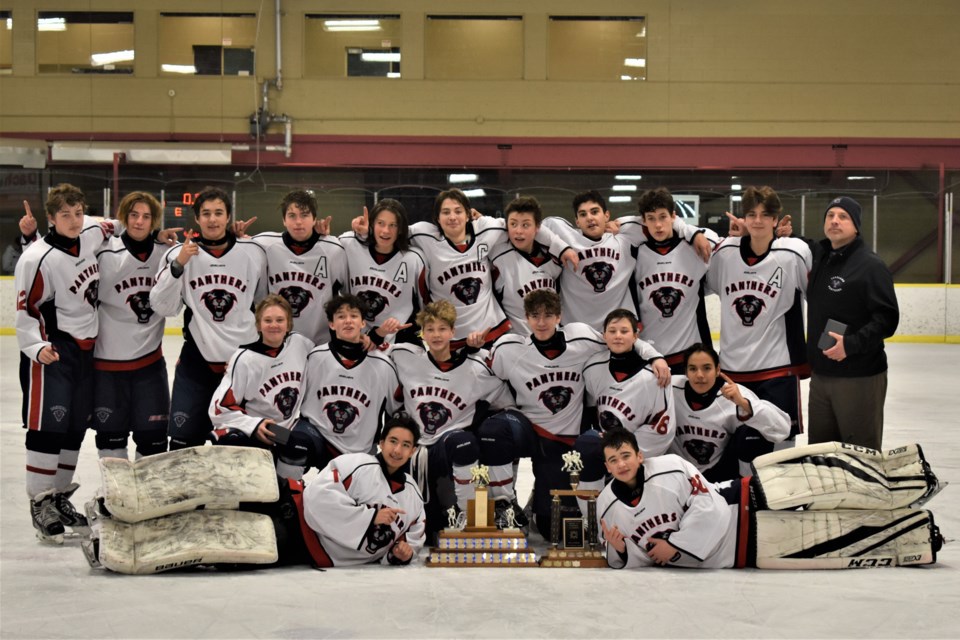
(573, 559)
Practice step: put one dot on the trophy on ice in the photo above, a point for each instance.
(574, 542)
(478, 542)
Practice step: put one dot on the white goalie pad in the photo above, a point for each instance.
(845, 539)
(187, 539)
(834, 475)
(213, 477)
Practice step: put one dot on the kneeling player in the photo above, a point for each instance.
(661, 512)
(361, 509)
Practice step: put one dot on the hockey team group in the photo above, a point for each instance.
(398, 357)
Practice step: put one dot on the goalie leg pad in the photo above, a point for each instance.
(187, 539)
(182, 480)
(845, 539)
(834, 475)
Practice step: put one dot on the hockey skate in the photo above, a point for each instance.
(46, 518)
(68, 514)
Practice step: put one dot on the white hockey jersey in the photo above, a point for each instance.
(443, 397)
(393, 287)
(261, 383)
(703, 432)
(220, 291)
(669, 291)
(131, 332)
(341, 503)
(307, 275)
(515, 274)
(636, 403)
(671, 500)
(346, 399)
(761, 322)
(58, 288)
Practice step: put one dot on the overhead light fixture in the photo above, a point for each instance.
(459, 178)
(736, 187)
(861, 178)
(736, 198)
(626, 77)
(474, 193)
(351, 25)
(627, 177)
(179, 68)
(380, 56)
(9, 24)
(393, 74)
(112, 57)
(619, 198)
(624, 187)
(635, 62)
(51, 24)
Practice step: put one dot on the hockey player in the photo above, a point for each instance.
(669, 280)
(607, 261)
(386, 273)
(720, 423)
(57, 280)
(260, 391)
(761, 282)
(859, 510)
(361, 509)
(131, 392)
(345, 394)
(304, 267)
(545, 372)
(525, 265)
(448, 394)
(457, 251)
(219, 278)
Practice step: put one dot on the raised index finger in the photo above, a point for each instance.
(726, 378)
(27, 211)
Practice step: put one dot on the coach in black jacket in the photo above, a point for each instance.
(851, 285)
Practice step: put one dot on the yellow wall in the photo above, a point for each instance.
(874, 68)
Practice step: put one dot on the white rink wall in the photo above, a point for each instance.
(928, 312)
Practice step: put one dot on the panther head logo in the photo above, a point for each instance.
(556, 399)
(298, 298)
(341, 414)
(286, 400)
(92, 293)
(598, 274)
(609, 421)
(140, 303)
(375, 304)
(748, 308)
(700, 450)
(467, 290)
(433, 415)
(218, 303)
(666, 299)
(380, 536)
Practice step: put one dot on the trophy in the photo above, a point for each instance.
(478, 542)
(579, 546)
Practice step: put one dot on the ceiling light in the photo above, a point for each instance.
(178, 68)
(736, 198)
(627, 177)
(861, 178)
(474, 193)
(635, 62)
(393, 74)
(619, 198)
(351, 25)
(458, 178)
(51, 24)
(100, 59)
(624, 187)
(380, 56)
(736, 187)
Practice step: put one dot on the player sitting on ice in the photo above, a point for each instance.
(859, 510)
(361, 509)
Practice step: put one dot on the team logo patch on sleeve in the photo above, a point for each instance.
(92, 293)
(298, 298)
(286, 400)
(666, 299)
(341, 414)
(219, 303)
(556, 399)
(380, 536)
(748, 308)
(598, 275)
(139, 302)
(467, 290)
(433, 415)
(700, 450)
(375, 304)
